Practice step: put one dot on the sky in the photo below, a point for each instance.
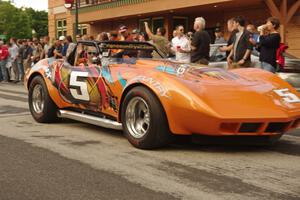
(35, 4)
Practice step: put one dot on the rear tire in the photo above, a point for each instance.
(144, 120)
(41, 106)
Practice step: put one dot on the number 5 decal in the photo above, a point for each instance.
(83, 93)
(288, 96)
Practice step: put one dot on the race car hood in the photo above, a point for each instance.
(241, 93)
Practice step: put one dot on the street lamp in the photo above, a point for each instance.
(69, 5)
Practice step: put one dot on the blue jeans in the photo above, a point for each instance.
(21, 71)
(268, 67)
(1, 77)
(4, 70)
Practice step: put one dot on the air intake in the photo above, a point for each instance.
(250, 127)
(277, 127)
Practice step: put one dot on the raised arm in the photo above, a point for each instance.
(148, 31)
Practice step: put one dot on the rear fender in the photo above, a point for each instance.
(46, 73)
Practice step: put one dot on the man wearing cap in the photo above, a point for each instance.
(65, 45)
(219, 37)
(134, 36)
(58, 48)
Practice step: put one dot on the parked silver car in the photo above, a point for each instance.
(291, 72)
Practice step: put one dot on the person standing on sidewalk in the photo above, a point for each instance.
(46, 46)
(231, 29)
(240, 55)
(4, 54)
(159, 40)
(27, 54)
(37, 52)
(200, 43)
(20, 60)
(13, 51)
(71, 46)
(269, 42)
(181, 46)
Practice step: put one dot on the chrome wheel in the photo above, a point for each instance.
(38, 99)
(137, 117)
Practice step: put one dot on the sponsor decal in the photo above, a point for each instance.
(122, 81)
(173, 70)
(154, 83)
(200, 72)
(48, 73)
(127, 46)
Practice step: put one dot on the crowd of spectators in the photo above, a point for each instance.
(187, 47)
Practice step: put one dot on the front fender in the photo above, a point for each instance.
(182, 107)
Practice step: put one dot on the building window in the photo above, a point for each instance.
(61, 27)
(181, 21)
(157, 22)
(142, 24)
(82, 28)
(153, 23)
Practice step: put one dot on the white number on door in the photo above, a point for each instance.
(76, 85)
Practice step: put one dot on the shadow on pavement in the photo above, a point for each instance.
(209, 144)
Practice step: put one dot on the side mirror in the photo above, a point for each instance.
(96, 60)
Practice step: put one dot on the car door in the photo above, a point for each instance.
(80, 83)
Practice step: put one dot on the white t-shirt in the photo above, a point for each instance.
(185, 45)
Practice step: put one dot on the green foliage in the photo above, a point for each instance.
(39, 21)
(19, 23)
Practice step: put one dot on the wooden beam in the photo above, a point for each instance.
(283, 10)
(292, 11)
(273, 9)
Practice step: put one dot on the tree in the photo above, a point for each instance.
(39, 21)
(19, 23)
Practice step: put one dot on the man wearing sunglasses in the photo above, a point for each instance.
(181, 46)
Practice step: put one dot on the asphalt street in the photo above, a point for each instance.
(71, 160)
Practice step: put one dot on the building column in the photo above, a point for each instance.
(51, 25)
(169, 26)
(70, 24)
(283, 14)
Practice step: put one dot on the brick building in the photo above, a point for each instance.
(96, 16)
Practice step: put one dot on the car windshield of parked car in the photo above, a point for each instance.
(215, 54)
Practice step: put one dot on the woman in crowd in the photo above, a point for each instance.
(269, 42)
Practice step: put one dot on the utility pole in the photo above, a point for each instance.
(76, 16)
(69, 4)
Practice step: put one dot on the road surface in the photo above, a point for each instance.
(71, 160)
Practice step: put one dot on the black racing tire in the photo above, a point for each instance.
(46, 113)
(156, 132)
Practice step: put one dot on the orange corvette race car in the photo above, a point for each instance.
(119, 85)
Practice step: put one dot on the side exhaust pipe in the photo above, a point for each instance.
(89, 119)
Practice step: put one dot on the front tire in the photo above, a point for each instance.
(41, 106)
(144, 120)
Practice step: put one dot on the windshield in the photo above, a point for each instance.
(129, 50)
